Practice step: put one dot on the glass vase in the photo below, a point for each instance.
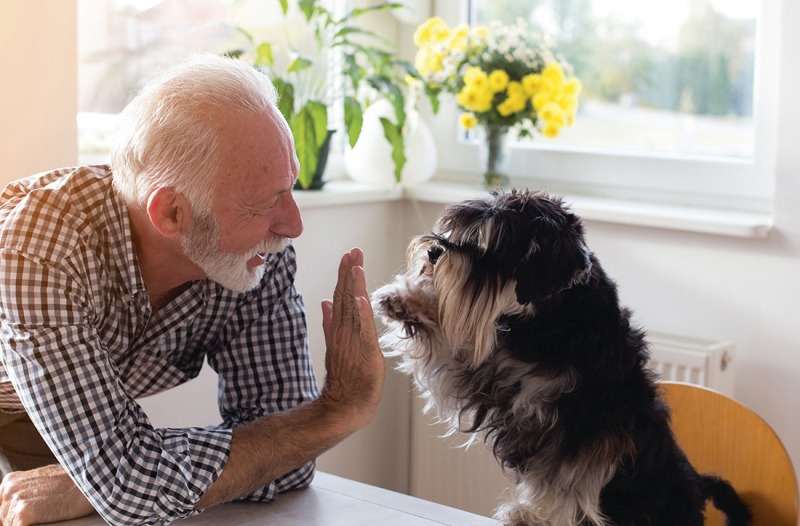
(494, 156)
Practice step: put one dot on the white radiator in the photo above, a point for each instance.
(709, 363)
(471, 479)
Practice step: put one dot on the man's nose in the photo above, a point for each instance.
(289, 222)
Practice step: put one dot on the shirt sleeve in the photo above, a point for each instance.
(263, 360)
(129, 471)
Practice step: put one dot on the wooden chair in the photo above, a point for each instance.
(720, 435)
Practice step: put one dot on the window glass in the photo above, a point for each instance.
(671, 77)
(123, 43)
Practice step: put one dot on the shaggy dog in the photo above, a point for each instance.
(514, 333)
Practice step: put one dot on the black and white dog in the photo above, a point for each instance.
(513, 332)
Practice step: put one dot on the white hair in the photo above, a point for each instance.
(166, 136)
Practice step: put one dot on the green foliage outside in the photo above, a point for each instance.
(710, 72)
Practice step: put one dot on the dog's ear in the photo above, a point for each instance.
(557, 258)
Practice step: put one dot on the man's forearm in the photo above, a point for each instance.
(265, 449)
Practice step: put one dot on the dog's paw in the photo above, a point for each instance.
(394, 308)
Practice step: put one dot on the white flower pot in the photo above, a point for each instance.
(370, 161)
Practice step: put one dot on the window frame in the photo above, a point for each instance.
(713, 182)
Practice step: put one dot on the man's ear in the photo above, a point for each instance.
(169, 212)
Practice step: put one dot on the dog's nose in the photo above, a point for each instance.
(434, 252)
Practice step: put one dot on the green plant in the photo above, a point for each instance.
(300, 76)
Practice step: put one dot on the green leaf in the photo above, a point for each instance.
(353, 120)
(234, 53)
(246, 34)
(361, 10)
(408, 68)
(340, 40)
(305, 144)
(307, 7)
(319, 117)
(310, 129)
(264, 55)
(284, 6)
(285, 98)
(394, 135)
(299, 64)
(434, 103)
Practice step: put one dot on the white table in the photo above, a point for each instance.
(330, 501)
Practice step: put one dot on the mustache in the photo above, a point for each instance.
(272, 244)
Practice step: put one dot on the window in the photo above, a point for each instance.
(672, 77)
(678, 101)
(123, 43)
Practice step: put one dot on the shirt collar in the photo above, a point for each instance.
(121, 243)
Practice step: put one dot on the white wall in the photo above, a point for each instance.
(39, 102)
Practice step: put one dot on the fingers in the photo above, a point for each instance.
(350, 310)
(340, 292)
(368, 332)
(327, 322)
(343, 294)
(363, 305)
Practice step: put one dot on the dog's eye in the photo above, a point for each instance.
(434, 252)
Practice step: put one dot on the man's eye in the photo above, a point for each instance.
(434, 253)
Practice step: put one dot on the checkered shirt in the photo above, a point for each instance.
(79, 341)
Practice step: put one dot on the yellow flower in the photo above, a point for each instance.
(498, 80)
(514, 102)
(552, 113)
(426, 61)
(504, 108)
(555, 73)
(532, 84)
(573, 87)
(540, 100)
(431, 31)
(475, 77)
(459, 37)
(550, 130)
(481, 31)
(475, 99)
(569, 103)
(468, 120)
(485, 102)
(515, 89)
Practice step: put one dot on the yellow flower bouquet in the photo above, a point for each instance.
(501, 76)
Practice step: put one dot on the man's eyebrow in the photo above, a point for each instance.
(254, 201)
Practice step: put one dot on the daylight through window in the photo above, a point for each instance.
(671, 77)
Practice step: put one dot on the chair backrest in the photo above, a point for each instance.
(722, 436)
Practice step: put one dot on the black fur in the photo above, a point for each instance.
(573, 328)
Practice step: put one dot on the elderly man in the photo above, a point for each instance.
(118, 282)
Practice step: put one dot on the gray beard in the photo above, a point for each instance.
(229, 270)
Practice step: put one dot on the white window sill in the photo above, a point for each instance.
(654, 215)
(344, 192)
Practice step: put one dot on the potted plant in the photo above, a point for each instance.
(300, 74)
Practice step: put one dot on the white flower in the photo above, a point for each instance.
(415, 89)
(457, 54)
